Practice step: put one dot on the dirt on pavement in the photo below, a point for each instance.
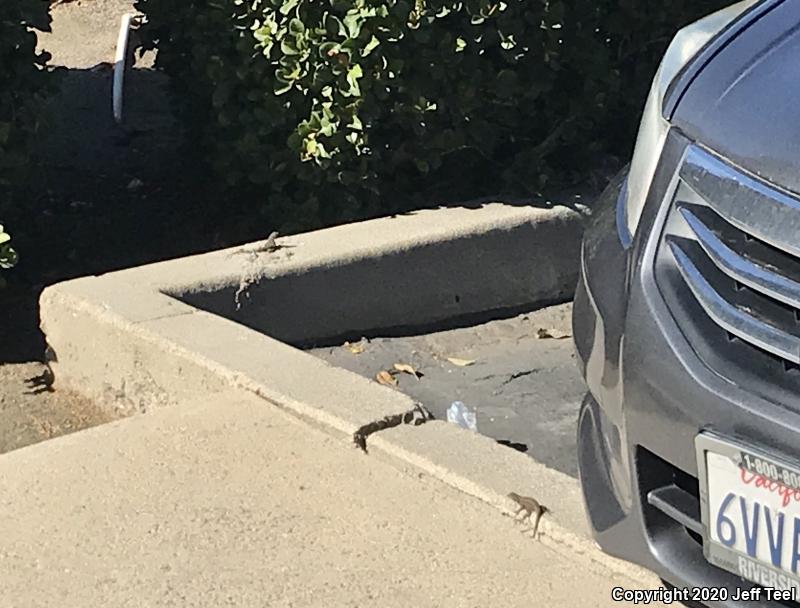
(84, 32)
(30, 413)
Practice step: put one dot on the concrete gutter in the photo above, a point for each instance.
(188, 329)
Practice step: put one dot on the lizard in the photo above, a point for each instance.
(529, 507)
(270, 245)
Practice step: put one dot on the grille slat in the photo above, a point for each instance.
(728, 266)
(740, 268)
(732, 318)
(756, 208)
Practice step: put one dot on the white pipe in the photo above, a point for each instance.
(119, 66)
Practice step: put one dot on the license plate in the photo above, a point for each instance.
(750, 509)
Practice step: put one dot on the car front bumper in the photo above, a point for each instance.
(649, 397)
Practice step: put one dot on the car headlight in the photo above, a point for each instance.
(653, 128)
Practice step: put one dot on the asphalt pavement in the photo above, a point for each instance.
(518, 375)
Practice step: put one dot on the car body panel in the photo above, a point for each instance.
(709, 51)
(744, 102)
(650, 395)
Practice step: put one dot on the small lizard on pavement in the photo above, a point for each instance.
(268, 246)
(529, 506)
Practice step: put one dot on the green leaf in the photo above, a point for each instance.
(355, 123)
(334, 26)
(370, 46)
(507, 42)
(288, 6)
(265, 33)
(289, 47)
(327, 126)
(281, 87)
(311, 147)
(353, 24)
(353, 74)
(8, 257)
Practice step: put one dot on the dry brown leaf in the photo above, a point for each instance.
(386, 378)
(551, 334)
(461, 362)
(408, 369)
(356, 348)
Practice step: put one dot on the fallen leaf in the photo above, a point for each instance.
(551, 334)
(356, 348)
(461, 362)
(408, 369)
(385, 378)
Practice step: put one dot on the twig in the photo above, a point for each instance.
(416, 416)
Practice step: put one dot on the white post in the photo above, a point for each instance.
(119, 66)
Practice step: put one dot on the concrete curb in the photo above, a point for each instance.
(180, 331)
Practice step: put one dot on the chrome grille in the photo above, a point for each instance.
(728, 265)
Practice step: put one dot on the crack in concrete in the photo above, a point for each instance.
(518, 375)
(183, 313)
(416, 416)
(489, 377)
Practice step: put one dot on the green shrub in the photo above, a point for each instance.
(21, 81)
(337, 109)
(21, 85)
(8, 257)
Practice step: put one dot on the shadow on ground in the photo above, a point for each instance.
(104, 197)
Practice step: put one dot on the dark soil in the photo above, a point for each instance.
(29, 414)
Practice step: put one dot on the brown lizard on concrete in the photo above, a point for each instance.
(529, 506)
(270, 245)
(267, 246)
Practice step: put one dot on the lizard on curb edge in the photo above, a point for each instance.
(529, 506)
(270, 245)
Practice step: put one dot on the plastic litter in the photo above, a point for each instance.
(460, 414)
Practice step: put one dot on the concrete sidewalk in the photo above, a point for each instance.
(232, 502)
